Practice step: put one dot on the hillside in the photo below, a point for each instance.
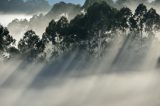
(88, 3)
(62, 8)
(18, 27)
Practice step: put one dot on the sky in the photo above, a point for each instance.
(68, 1)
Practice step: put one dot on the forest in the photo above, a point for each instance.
(102, 53)
(92, 31)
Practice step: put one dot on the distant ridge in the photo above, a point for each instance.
(64, 8)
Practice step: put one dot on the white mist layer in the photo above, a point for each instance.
(68, 84)
(5, 19)
(133, 89)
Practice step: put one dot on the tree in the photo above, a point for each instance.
(133, 24)
(139, 15)
(6, 40)
(152, 21)
(62, 26)
(140, 12)
(30, 45)
(57, 29)
(123, 17)
(78, 29)
(101, 15)
(50, 32)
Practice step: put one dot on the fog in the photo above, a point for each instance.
(5, 19)
(127, 74)
(123, 77)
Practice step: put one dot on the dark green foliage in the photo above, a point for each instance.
(100, 16)
(5, 39)
(78, 28)
(51, 31)
(87, 30)
(30, 45)
(133, 24)
(123, 17)
(152, 20)
(83, 28)
(29, 41)
(93, 31)
(62, 26)
(57, 29)
(139, 15)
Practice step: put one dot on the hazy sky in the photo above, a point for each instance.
(72, 1)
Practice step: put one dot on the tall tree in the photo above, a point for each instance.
(50, 32)
(152, 21)
(57, 29)
(30, 45)
(139, 15)
(123, 17)
(6, 40)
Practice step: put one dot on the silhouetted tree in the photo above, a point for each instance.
(123, 17)
(140, 12)
(57, 29)
(78, 28)
(6, 40)
(50, 32)
(101, 15)
(62, 26)
(152, 21)
(30, 45)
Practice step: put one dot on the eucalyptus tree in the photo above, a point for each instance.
(123, 18)
(139, 15)
(6, 43)
(152, 21)
(6, 40)
(30, 46)
(57, 29)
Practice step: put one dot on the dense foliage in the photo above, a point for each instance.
(92, 31)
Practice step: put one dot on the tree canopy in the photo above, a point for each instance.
(90, 31)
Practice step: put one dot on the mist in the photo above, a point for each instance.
(7, 18)
(73, 80)
(103, 66)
